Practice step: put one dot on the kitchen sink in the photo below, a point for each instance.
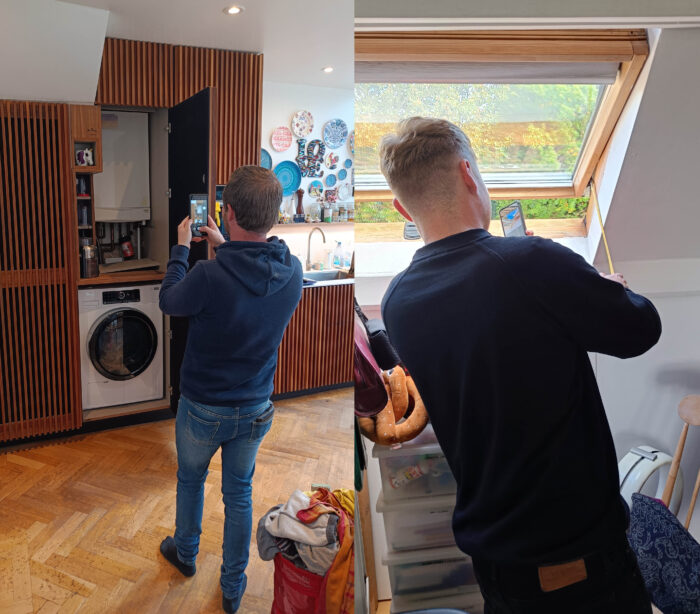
(325, 275)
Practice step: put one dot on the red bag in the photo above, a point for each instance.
(297, 591)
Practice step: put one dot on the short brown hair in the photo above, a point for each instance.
(419, 157)
(255, 195)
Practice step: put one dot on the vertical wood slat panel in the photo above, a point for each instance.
(317, 347)
(237, 76)
(135, 74)
(39, 374)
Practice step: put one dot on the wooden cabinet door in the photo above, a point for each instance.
(39, 354)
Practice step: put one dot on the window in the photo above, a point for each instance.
(538, 106)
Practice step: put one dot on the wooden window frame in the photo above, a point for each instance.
(629, 47)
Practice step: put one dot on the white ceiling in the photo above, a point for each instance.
(297, 38)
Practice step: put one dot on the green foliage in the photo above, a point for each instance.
(534, 209)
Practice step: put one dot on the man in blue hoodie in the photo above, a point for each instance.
(238, 305)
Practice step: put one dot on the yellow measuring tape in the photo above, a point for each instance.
(594, 197)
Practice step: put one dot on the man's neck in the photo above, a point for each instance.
(239, 234)
(441, 230)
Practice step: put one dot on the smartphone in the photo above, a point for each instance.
(513, 220)
(199, 210)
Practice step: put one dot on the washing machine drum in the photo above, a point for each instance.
(122, 344)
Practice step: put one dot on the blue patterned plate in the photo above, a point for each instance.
(347, 163)
(265, 159)
(330, 180)
(289, 175)
(335, 133)
(342, 174)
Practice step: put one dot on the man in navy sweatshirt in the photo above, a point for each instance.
(495, 332)
(238, 305)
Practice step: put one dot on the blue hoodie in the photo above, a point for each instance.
(239, 305)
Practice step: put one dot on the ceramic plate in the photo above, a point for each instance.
(265, 159)
(344, 191)
(332, 160)
(351, 142)
(289, 175)
(281, 138)
(302, 124)
(335, 133)
(315, 189)
(330, 180)
(342, 174)
(347, 163)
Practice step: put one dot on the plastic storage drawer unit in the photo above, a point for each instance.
(444, 570)
(411, 524)
(413, 471)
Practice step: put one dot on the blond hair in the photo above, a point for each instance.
(420, 158)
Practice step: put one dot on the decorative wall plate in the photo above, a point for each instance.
(315, 188)
(332, 160)
(342, 174)
(265, 159)
(289, 175)
(302, 124)
(347, 163)
(330, 180)
(344, 191)
(351, 142)
(281, 138)
(335, 133)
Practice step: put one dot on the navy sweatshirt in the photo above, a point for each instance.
(239, 305)
(496, 332)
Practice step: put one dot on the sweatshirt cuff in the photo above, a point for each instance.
(180, 252)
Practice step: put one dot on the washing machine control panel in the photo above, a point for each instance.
(121, 296)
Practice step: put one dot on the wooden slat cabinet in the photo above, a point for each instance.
(317, 348)
(86, 128)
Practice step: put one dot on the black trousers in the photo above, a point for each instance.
(614, 585)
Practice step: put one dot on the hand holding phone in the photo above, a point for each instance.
(199, 212)
(513, 220)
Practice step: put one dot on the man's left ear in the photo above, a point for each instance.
(465, 172)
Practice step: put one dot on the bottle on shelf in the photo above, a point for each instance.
(338, 259)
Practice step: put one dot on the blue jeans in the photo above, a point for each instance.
(199, 431)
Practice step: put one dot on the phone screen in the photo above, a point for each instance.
(198, 214)
(512, 220)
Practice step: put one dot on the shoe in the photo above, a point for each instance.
(169, 550)
(227, 603)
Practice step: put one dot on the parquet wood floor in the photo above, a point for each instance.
(81, 519)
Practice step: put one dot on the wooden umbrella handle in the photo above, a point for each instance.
(692, 501)
(673, 472)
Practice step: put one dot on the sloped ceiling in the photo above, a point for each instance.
(51, 51)
(655, 208)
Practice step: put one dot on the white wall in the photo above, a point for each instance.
(51, 51)
(280, 102)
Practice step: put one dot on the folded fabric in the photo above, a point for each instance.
(267, 545)
(283, 522)
(318, 559)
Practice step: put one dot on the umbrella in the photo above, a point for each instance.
(668, 555)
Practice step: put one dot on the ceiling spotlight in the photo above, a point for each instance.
(234, 10)
(328, 69)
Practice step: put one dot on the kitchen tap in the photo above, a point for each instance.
(308, 246)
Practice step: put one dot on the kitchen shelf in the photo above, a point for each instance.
(84, 197)
(312, 224)
(85, 227)
(127, 277)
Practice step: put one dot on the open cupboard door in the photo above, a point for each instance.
(192, 164)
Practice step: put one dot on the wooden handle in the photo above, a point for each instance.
(692, 501)
(673, 472)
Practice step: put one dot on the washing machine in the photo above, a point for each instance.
(121, 345)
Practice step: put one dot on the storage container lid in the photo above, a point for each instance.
(425, 443)
(415, 504)
(468, 598)
(448, 553)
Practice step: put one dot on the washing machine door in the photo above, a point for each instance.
(122, 343)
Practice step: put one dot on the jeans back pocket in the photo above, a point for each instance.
(201, 431)
(261, 425)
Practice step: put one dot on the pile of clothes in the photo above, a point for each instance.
(314, 532)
